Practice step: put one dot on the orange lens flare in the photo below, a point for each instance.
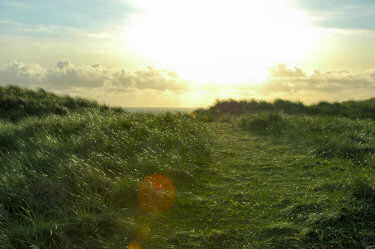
(156, 193)
(134, 245)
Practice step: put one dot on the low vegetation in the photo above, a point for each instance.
(351, 109)
(70, 179)
(347, 148)
(18, 103)
(248, 174)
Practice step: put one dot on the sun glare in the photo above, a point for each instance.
(221, 41)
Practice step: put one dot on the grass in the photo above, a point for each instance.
(18, 103)
(339, 156)
(364, 109)
(71, 180)
(244, 179)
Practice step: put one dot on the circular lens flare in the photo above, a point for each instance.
(134, 245)
(156, 193)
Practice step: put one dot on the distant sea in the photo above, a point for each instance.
(159, 109)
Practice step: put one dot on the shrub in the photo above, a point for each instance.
(364, 109)
(265, 123)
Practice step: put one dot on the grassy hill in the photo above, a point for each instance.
(18, 103)
(351, 109)
(271, 175)
(69, 179)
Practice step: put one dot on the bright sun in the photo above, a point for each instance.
(221, 41)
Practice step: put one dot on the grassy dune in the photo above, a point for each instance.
(70, 180)
(248, 174)
(351, 109)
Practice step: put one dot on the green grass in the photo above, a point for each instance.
(338, 164)
(18, 103)
(260, 179)
(71, 180)
(364, 109)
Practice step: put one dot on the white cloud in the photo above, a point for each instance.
(156, 87)
(282, 71)
(67, 75)
(284, 79)
(18, 73)
(159, 80)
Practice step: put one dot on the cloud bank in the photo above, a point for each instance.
(160, 87)
(66, 75)
(284, 79)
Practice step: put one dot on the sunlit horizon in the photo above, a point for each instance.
(188, 53)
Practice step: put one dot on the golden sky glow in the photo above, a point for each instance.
(183, 53)
(211, 41)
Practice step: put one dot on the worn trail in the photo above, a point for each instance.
(239, 201)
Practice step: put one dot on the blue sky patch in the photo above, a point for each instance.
(340, 14)
(19, 16)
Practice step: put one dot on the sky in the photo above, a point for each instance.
(188, 53)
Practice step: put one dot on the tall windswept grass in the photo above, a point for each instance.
(324, 136)
(70, 181)
(17, 103)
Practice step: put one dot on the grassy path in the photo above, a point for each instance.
(242, 200)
